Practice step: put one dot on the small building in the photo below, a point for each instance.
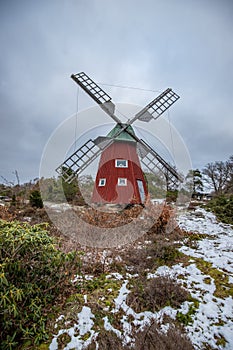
(120, 179)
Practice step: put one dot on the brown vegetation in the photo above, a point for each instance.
(156, 293)
(151, 338)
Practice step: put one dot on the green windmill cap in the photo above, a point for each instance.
(123, 136)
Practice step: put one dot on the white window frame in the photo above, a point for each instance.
(102, 182)
(122, 181)
(122, 165)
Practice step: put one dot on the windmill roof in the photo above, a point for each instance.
(123, 136)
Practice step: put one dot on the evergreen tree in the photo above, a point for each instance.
(35, 199)
(197, 181)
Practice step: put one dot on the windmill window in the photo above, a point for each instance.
(122, 182)
(102, 182)
(121, 163)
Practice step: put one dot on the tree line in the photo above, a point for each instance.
(215, 178)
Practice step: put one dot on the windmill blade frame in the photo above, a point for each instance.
(79, 160)
(156, 107)
(152, 160)
(96, 93)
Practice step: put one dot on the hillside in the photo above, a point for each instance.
(169, 289)
(204, 270)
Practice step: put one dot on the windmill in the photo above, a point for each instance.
(119, 179)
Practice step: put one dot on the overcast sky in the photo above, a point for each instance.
(151, 44)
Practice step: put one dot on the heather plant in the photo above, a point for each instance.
(156, 293)
(33, 274)
(152, 338)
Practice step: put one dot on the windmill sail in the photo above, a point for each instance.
(153, 161)
(78, 161)
(95, 92)
(156, 107)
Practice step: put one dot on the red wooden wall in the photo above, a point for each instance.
(111, 192)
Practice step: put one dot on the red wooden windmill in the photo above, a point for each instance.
(120, 179)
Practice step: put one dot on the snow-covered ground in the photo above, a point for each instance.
(208, 276)
(213, 319)
(219, 250)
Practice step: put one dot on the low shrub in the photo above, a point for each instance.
(33, 275)
(156, 293)
(35, 199)
(222, 207)
(165, 253)
(152, 338)
(107, 341)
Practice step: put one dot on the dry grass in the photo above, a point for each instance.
(24, 213)
(162, 217)
(109, 219)
(5, 213)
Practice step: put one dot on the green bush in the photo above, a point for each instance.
(35, 199)
(222, 207)
(171, 196)
(33, 273)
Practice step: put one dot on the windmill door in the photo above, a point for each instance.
(141, 190)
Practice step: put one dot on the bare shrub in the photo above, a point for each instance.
(5, 213)
(151, 256)
(156, 293)
(107, 341)
(152, 338)
(167, 216)
(137, 260)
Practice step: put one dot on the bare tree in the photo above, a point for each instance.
(218, 175)
(17, 176)
(8, 183)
